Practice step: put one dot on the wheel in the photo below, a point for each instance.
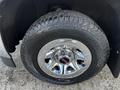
(64, 47)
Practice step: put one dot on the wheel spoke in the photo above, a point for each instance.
(52, 64)
(65, 69)
(76, 65)
(50, 54)
(73, 66)
(79, 55)
(61, 66)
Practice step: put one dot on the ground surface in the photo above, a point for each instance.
(19, 79)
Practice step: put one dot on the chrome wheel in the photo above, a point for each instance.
(64, 58)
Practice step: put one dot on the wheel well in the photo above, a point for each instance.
(18, 15)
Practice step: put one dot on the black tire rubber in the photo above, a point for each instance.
(64, 24)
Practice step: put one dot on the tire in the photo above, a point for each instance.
(64, 24)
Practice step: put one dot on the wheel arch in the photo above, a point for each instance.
(18, 15)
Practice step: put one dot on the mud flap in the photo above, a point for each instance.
(5, 56)
(8, 61)
(114, 65)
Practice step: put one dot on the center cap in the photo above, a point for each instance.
(64, 60)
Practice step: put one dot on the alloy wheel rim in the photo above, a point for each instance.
(64, 58)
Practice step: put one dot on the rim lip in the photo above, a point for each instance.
(58, 42)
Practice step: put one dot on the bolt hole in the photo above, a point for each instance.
(56, 68)
(78, 50)
(83, 65)
(80, 61)
(47, 60)
(70, 68)
(50, 18)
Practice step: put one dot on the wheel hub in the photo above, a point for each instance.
(63, 55)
